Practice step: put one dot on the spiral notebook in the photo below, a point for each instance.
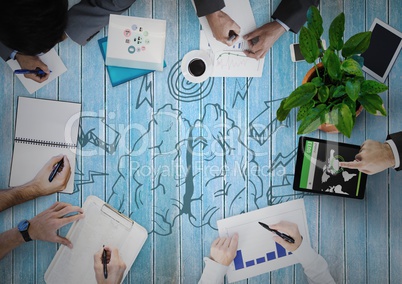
(102, 225)
(43, 129)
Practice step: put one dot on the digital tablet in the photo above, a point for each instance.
(385, 44)
(317, 169)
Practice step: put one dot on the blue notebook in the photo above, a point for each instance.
(120, 75)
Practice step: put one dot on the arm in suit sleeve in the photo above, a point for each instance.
(397, 139)
(5, 51)
(205, 7)
(87, 18)
(293, 12)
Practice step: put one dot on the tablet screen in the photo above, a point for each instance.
(318, 170)
(384, 48)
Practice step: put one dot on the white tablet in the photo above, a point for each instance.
(385, 44)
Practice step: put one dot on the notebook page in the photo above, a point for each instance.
(44, 128)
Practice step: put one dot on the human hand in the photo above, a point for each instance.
(221, 25)
(115, 266)
(32, 63)
(262, 39)
(290, 229)
(372, 158)
(223, 250)
(42, 186)
(44, 226)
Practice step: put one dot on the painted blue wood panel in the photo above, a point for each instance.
(177, 156)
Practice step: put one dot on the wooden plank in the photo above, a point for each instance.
(395, 125)
(377, 195)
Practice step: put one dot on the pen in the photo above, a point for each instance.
(28, 71)
(104, 261)
(282, 235)
(232, 35)
(56, 169)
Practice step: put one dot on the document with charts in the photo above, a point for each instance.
(43, 129)
(102, 225)
(257, 253)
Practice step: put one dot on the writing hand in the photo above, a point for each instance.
(115, 266)
(221, 25)
(291, 229)
(32, 63)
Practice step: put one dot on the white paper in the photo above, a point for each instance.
(52, 60)
(256, 243)
(42, 121)
(232, 62)
(240, 11)
(101, 226)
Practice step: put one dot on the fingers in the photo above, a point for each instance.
(64, 241)
(351, 165)
(234, 242)
(69, 209)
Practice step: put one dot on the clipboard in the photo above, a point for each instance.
(102, 225)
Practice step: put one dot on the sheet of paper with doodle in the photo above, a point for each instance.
(232, 63)
(240, 11)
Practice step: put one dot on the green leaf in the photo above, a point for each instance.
(302, 95)
(373, 87)
(343, 119)
(317, 81)
(352, 88)
(351, 67)
(334, 67)
(308, 45)
(304, 110)
(314, 22)
(313, 119)
(352, 106)
(282, 113)
(323, 94)
(357, 44)
(372, 103)
(336, 30)
(339, 91)
(325, 57)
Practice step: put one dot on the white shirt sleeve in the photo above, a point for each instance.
(314, 265)
(283, 24)
(214, 273)
(391, 143)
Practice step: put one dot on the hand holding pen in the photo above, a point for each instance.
(285, 232)
(109, 266)
(33, 67)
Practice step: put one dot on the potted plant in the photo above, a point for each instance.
(337, 87)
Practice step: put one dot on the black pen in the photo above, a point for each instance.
(104, 261)
(56, 169)
(282, 235)
(232, 35)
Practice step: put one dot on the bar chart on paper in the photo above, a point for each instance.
(257, 252)
(240, 263)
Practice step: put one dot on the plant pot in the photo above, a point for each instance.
(326, 127)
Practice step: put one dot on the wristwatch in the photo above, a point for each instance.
(23, 227)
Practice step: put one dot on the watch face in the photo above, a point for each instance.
(23, 225)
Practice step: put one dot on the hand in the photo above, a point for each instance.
(45, 225)
(42, 186)
(290, 229)
(115, 266)
(262, 39)
(372, 158)
(31, 63)
(221, 24)
(223, 250)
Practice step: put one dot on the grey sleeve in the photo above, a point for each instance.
(397, 138)
(5, 51)
(88, 17)
(293, 13)
(205, 7)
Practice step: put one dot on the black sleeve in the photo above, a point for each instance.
(205, 7)
(5, 52)
(293, 13)
(397, 138)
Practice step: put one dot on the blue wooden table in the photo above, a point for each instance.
(176, 156)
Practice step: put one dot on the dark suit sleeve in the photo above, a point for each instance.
(205, 7)
(397, 138)
(293, 13)
(5, 51)
(88, 17)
